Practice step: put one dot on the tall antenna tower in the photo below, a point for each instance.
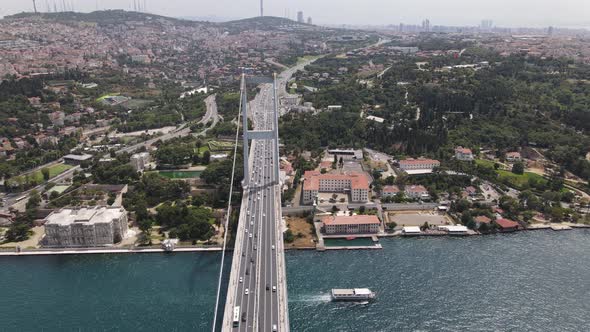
(35, 6)
(261, 7)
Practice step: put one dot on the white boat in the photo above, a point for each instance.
(352, 294)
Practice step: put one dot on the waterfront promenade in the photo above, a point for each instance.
(84, 251)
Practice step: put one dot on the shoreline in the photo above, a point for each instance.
(90, 251)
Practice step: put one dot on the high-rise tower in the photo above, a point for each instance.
(261, 7)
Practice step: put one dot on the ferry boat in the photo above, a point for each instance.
(352, 294)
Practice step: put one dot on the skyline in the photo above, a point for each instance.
(522, 13)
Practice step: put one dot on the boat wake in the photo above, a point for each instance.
(312, 298)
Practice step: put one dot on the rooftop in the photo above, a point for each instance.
(506, 223)
(347, 220)
(313, 178)
(94, 215)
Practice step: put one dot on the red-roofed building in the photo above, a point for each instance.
(479, 220)
(390, 191)
(463, 154)
(417, 191)
(507, 225)
(359, 224)
(355, 183)
(411, 164)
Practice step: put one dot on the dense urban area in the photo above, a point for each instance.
(118, 130)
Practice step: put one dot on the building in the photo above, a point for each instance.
(139, 161)
(411, 230)
(309, 20)
(410, 165)
(463, 154)
(345, 154)
(390, 191)
(359, 224)
(513, 156)
(507, 225)
(76, 159)
(85, 227)
(416, 192)
(57, 118)
(300, 17)
(354, 183)
(480, 220)
(453, 229)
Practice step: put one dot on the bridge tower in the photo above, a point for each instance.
(272, 134)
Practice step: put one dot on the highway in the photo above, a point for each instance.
(256, 293)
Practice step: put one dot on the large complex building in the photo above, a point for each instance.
(359, 224)
(418, 166)
(85, 227)
(355, 183)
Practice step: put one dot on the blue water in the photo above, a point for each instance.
(127, 292)
(527, 281)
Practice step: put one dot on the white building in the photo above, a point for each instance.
(463, 154)
(416, 192)
(359, 224)
(513, 156)
(418, 164)
(139, 161)
(355, 183)
(85, 227)
(390, 191)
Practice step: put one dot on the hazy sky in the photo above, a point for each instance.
(537, 13)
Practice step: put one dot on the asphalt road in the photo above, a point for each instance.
(256, 293)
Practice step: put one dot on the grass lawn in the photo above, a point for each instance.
(519, 180)
(53, 171)
(485, 163)
(203, 149)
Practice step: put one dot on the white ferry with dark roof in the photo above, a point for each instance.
(352, 294)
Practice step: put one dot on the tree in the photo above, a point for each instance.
(518, 168)
(45, 172)
(376, 174)
(206, 157)
(34, 200)
(288, 237)
(145, 226)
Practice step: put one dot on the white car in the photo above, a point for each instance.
(274, 288)
(250, 235)
(246, 291)
(273, 247)
(241, 279)
(246, 230)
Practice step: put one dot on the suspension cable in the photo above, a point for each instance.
(229, 209)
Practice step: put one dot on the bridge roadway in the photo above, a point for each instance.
(257, 281)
